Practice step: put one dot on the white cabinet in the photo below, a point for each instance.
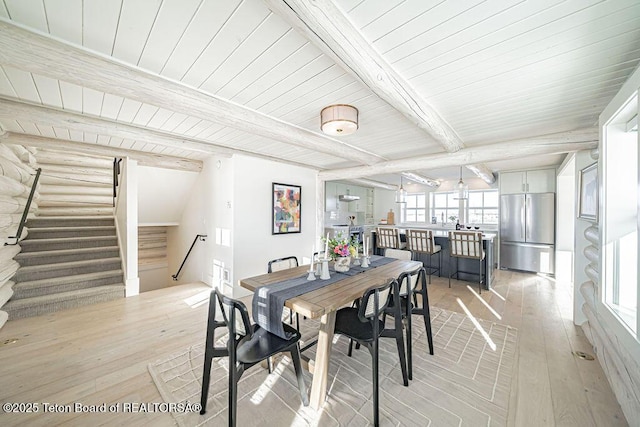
(332, 191)
(330, 196)
(531, 181)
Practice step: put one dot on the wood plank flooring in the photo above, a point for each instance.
(99, 354)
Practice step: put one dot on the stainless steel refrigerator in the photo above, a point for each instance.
(527, 232)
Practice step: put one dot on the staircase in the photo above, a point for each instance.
(70, 257)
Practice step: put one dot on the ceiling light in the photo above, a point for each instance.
(401, 193)
(339, 119)
(421, 179)
(461, 190)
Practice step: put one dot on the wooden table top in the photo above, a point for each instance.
(331, 297)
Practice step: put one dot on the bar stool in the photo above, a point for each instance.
(466, 244)
(388, 237)
(422, 242)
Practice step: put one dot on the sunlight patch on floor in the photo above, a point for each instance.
(271, 379)
(484, 333)
(486, 304)
(497, 294)
(198, 299)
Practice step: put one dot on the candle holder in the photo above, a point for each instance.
(365, 262)
(311, 275)
(324, 275)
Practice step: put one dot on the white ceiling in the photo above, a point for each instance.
(494, 71)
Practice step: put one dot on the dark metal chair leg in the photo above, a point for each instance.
(409, 343)
(206, 376)
(233, 390)
(374, 362)
(480, 278)
(400, 345)
(297, 366)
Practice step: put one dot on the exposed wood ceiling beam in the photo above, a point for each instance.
(483, 172)
(16, 110)
(372, 183)
(144, 159)
(36, 53)
(421, 179)
(330, 29)
(566, 142)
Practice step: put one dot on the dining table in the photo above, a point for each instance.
(323, 302)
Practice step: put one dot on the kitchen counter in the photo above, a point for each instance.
(443, 232)
(441, 238)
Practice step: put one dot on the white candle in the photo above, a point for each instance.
(312, 250)
(326, 247)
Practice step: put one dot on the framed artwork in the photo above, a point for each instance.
(287, 205)
(588, 196)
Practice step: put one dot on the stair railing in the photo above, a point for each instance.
(200, 237)
(116, 174)
(23, 220)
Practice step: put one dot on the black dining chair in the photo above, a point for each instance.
(407, 290)
(247, 345)
(280, 264)
(364, 325)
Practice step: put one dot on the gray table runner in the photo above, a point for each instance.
(268, 300)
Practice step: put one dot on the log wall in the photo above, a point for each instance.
(17, 172)
(621, 367)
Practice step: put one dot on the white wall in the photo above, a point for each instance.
(231, 203)
(254, 245)
(565, 218)
(200, 216)
(127, 225)
(383, 200)
(162, 194)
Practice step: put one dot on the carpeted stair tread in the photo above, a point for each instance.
(73, 221)
(63, 232)
(36, 245)
(65, 283)
(65, 255)
(36, 272)
(36, 306)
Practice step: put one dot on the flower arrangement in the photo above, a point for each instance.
(341, 246)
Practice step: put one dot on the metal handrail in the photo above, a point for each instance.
(116, 173)
(198, 237)
(23, 220)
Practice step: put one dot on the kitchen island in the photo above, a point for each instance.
(441, 237)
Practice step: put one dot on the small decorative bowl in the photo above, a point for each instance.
(468, 227)
(477, 228)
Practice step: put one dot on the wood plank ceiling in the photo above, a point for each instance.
(188, 78)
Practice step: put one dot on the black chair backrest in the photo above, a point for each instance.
(235, 315)
(282, 264)
(375, 300)
(409, 280)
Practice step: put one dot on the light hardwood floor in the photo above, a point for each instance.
(99, 354)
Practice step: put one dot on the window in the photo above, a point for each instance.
(619, 172)
(415, 210)
(444, 206)
(483, 207)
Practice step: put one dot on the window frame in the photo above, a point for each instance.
(404, 209)
(464, 205)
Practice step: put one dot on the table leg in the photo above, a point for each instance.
(321, 367)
